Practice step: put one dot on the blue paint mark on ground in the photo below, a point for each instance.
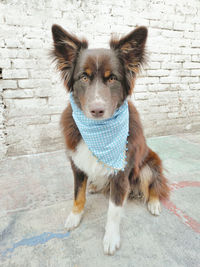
(35, 240)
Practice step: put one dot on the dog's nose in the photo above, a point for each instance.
(97, 112)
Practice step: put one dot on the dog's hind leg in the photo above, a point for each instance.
(80, 182)
(153, 184)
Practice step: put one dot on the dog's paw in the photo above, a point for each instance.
(73, 220)
(154, 207)
(111, 242)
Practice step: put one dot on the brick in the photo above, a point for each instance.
(195, 58)
(140, 88)
(171, 65)
(194, 86)
(24, 63)
(195, 72)
(141, 96)
(190, 51)
(169, 79)
(29, 103)
(189, 79)
(18, 94)
(191, 65)
(147, 80)
(5, 63)
(195, 43)
(33, 43)
(10, 43)
(9, 84)
(157, 87)
(12, 74)
(157, 73)
(172, 34)
(29, 120)
(28, 83)
(42, 92)
(183, 26)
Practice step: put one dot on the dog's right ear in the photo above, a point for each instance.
(65, 52)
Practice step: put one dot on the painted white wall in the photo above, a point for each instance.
(32, 97)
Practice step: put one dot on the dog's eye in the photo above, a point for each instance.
(112, 78)
(84, 78)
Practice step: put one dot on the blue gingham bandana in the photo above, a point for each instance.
(107, 138)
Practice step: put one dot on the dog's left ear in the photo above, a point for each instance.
(131, 51)
(65, 52)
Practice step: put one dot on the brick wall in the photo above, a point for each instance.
(32, 97)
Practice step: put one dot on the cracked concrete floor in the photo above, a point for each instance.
(36, 194)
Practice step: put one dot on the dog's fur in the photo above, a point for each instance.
(100, 80)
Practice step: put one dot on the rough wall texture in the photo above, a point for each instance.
(32, 97)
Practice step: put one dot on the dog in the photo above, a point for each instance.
(100, 82)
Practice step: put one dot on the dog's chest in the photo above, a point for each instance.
(85, 161)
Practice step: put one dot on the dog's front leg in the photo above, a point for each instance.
(119, 188)
(80, 182)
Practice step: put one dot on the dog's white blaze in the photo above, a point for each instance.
(83, 158)
(111, 240)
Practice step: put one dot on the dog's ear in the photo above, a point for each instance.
(131, 51)
(65, 52)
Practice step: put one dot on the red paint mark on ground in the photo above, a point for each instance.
(183, 184)
(187, 220)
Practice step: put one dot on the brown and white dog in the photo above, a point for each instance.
(100, 80)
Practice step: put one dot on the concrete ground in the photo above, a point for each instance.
(36, 196)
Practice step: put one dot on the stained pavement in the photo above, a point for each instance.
(36, 196)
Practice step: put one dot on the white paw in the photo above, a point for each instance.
(111, 242)
(154, 207)
(73, 220)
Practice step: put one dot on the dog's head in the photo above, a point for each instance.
(100, 79)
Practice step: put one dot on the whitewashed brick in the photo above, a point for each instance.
(12, 74)
(12, 43)
(9, 84)
(28, 83)
(194, 86)
(5, 63)
(157, 73)
(33, 43)
(189, 79)
(170, 79)
(191, 65)
(183, 26)
(24, 63)
(157, 87)
(18, 94)
(141, 96)
(195, 72)
(148, 80)
(172, 34)
(190, 51)
(171, 65)
(195, 43)
(29, 103)
(196, 58)
(42, 92)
